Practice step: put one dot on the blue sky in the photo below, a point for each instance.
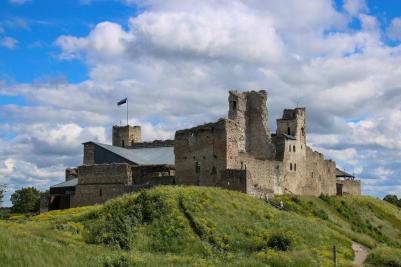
(64, 64)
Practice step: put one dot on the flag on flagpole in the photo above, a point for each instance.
(123, 101)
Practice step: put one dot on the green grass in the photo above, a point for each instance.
(197, 226)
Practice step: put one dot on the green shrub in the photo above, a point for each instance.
(279, 242)
(385, 257)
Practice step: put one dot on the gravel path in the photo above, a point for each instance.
(361, 253)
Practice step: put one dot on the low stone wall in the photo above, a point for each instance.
(350, 187)
(105, 174)
(91, 194)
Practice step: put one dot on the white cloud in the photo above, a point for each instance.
(9, 42)
(19, 2)
(394, 30)
(355, 7)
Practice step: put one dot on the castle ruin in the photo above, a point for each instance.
(237, 153)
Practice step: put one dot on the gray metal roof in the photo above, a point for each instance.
(70, 183)
(341, 173)
(143, 156)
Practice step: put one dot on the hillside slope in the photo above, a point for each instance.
(205, 226)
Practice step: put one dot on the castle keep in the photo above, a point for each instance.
(238, 153)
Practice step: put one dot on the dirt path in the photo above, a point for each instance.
(361, 252)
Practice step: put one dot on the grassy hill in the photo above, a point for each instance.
(186, 226)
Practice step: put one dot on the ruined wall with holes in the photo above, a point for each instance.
(269, 163)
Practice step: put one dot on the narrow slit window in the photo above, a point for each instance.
(290, 166)
(293, 148)
(234, 105)
(289, 131)
(197, 167)
(289, 148)
(295, 167)
(122, 143)
(100, 192)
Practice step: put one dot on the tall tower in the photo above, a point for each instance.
(293, 123)
(126, 136)
(249, 111)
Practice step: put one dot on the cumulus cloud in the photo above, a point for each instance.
(9, 42)
(176, 61)
(394, 30)
(355, 7)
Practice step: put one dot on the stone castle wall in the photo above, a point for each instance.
(201, 154)
(350, 187)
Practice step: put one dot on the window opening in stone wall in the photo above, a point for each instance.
(312, 174)
(214, 171)
(289, 148)
(234, 105)
(293, 148)
(122, 143)
(100, 192)
(197, 167)
(289, 131)
(242, 165)
(303, 131)
(295, 167)
(290, 166)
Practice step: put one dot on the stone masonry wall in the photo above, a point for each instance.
(105, 174)
(125, 136)
(89, 154)
(350, 187)
(98, 183)
(201, 154)
(321, 174)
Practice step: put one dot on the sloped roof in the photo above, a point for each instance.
(143, 156)
(340, 173)
(289, 136)
(70, 183)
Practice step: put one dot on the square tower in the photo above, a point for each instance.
(126, 136)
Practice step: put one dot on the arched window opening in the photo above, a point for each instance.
(289, 131)
(290, 166)
(234, 105)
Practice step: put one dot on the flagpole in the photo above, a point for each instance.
(127, 111)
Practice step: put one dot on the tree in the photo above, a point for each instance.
(393, 199)
(3, 189)
(25, 200)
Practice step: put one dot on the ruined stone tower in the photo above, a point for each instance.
(293, 124)
(125, 136)
(249, 111)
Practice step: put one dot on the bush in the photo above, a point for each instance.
(385, 257)
(279, 242)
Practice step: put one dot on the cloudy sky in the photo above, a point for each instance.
(65, 64)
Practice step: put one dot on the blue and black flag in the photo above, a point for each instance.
(123, 101)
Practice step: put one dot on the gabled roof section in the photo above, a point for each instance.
(143, 156)
(69, 183)
(340, 173)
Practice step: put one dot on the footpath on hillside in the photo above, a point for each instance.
(361, 253)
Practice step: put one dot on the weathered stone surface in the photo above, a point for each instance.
(125, 136)
(272, 164)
